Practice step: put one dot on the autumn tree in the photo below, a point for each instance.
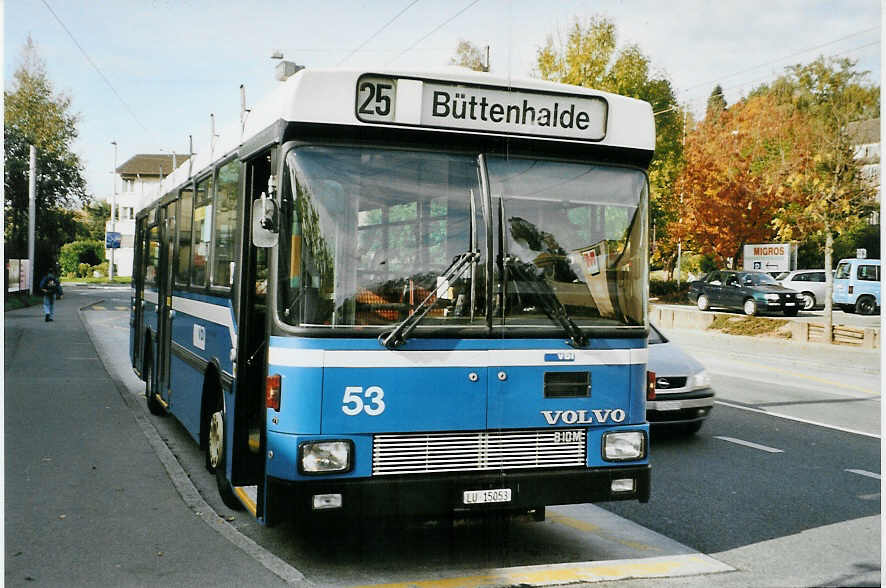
(590, 57)
(738, 173)
(35, 115)
(469, 55)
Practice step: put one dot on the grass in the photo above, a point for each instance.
(101, 280)
(751, 326)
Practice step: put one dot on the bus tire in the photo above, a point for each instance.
(215, 452)
(154, 406)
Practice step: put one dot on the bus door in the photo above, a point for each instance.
(165, 314)
(136, 328)
(247, 461)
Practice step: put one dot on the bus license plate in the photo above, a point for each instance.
(487, 496)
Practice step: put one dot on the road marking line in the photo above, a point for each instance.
(668, 566)
(797, 419)
(864, 473)
(798, 375)
(749, 444)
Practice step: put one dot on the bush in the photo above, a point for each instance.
(72, 255)
(668, 291)
(82, 270)
(100, 270)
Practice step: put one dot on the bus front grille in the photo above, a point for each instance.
(414, 453)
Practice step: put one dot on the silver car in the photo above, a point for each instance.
(683, 393)
(809, 282)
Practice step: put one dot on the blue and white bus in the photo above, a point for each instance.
(406, 293)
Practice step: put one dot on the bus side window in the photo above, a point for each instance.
(202, 231)
(225, 219)
(184, 235)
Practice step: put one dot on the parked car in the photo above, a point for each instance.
(683, 393)
(810, 283)
(857, 285)
(752, 292)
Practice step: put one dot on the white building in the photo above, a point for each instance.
(865, 137)
(140, 177)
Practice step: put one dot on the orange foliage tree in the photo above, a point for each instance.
(737, 175)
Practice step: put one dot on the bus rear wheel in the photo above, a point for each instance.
(215, 453)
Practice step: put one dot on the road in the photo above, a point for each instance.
(781, 487)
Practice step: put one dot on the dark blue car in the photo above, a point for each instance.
(751, 292)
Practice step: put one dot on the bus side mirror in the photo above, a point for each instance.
(265, 222)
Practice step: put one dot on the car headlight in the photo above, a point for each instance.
(773, 297)
(324, 457)
(624, 445)
(699, 380)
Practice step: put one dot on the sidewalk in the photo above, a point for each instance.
(88, 501)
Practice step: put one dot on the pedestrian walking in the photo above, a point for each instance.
(51, 288)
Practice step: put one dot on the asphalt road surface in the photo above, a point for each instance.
(780, 488)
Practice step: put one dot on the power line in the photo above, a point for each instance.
(92, 63)
(373, 35)
(802, 51)
(437, 28)
(759, 80)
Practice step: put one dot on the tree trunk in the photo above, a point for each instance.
(829, 288)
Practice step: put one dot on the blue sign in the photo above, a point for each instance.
(112, 240)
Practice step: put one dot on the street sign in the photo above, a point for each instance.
(112, 240)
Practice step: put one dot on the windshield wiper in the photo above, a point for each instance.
(399, 335)
(550, 304)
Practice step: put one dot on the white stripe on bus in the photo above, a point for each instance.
(214, 313)
(282, 356)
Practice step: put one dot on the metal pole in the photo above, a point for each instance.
(113, 211)
(32, 218)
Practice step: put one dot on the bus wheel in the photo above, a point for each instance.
(215, 454)
(865, 305)
(155, 407)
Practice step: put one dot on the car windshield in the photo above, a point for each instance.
(370, 236)
(759, 280)
(782, 276)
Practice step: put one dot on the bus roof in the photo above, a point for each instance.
(446, 100)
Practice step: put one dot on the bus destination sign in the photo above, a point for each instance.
(481, 108)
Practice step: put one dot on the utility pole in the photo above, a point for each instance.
(680, 242)
(32, 219)
(113, 211)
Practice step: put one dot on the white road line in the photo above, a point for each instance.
(749, 444)
(796, 419)
(864, 473)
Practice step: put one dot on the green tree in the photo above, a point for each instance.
(469, 55)
(35, 115)
(92, 219)
(716, 102)
(590, 58)
(832, 196)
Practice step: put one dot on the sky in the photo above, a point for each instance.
(146, 74)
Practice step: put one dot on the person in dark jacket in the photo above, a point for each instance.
(50, 287)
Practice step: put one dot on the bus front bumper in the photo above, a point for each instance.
(443, 495)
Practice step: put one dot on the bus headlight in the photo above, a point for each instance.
(325, 457)
(624, 445)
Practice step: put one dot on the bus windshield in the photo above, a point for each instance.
(368, 235)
